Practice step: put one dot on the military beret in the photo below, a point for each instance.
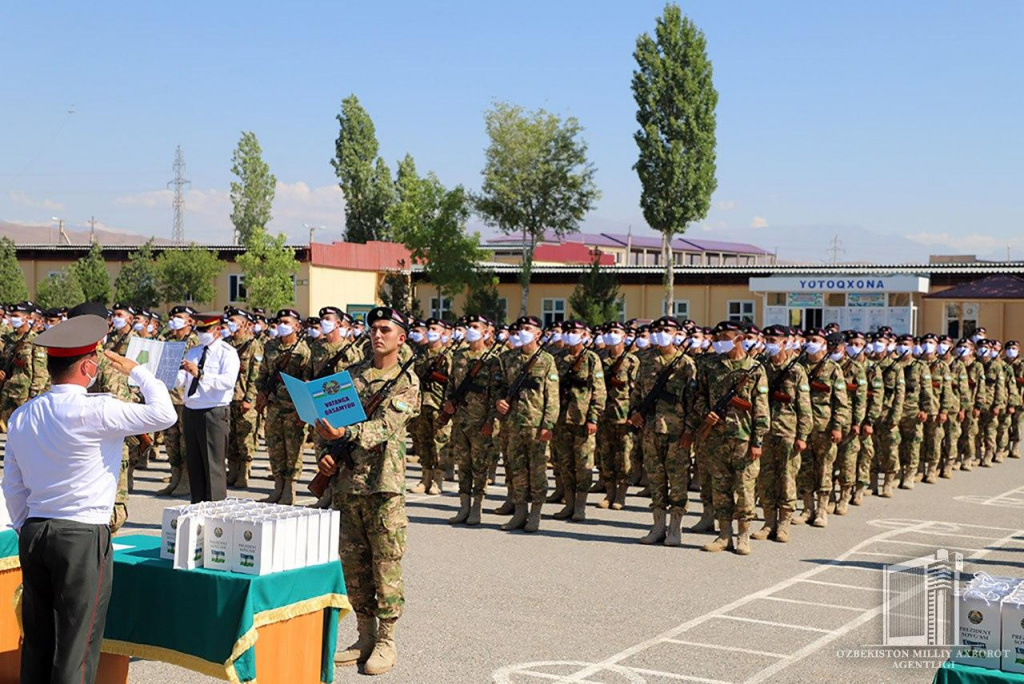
(815, 332)
(885, 330)
(208, 319)
(945, 338)
(437, 321)
(615, 325)
(79, 336)
(235, 311)
(475, 318)
(289, 312)
(573, 325)
(183, 309)
(52, 313)
(852, 335)
(1012, 343)
(359, 321)
(386, 313)
(980, 331)
(905, 338)
(312, 320)
(751, 329)
(328, 310)
(120, 306)
(835, 338)
(631, 323)
(155, 316)
(929, 337)
(25, 307)
(532, 320)
(417, 323)
(832, 327)
(777, 331)
(872, 337)
(88, 309)
(643, 329)
(726, 326)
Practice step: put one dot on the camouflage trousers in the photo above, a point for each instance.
(931, 450)
(573, 452)
(1015, 428)
(887, 440)
(968, 446)
(988, 432)
(911, 439)
(733, 477)
(174, 440)
(371, 546)
(846, 459)
(9, 403)
(242, 444)
(429, 439)
(776, 482)
(502, 447)
(526, 460)
(614, 448)
(472, 452)
(951, 441)
(816, 463)
(286, 438)
(1003, 434)
(865, 459)
(120, 514)
(700, 458)
(668, 469)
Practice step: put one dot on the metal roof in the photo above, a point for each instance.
(978, 268)
(620, 240)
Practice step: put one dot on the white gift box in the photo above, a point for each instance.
(312, 538)
(188, 548)
(301, 526)
(217, 540)
(1012, 638)
(325, 538)
(284, 541)
(252, 545)
(335, 536)
(979, 621)
(169, 531)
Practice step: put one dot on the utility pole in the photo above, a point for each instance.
(179, 183)
(835, 248)
(92, 230)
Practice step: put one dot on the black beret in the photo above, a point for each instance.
(386, 313)
(183, 309)
(751, 329)
(573, 325)
(24, 307)
(905, 338)
(52, 313)
(726, 326)
(835, 338)
(289, 312)
(475, 318)
(852, 335)
(437, 321)
(815, 332)
(120, 306)
(235, 311)
(1012, 343)
(929, 337)
(531, 320)
(614, 325)
(665, 322)
(776, 331)
(313, 320)
(327, 310)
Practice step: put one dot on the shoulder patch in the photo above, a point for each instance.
(552, 376)
(805, 387)
(762, 389)
(599, 374)
(401, 406)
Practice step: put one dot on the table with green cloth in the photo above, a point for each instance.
(206, 620)
(9, 550)
(958, 673)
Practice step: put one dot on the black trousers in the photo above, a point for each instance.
(206, 447)
(67, 568)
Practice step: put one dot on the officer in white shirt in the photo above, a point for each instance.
(60, 479)
(208, 375)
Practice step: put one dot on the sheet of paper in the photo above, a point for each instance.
(163, 359)
(333, 398)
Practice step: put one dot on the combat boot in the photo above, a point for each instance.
(598, 486)
(438, 486)
(674, 537)
(967, 465)
(463, 513)
(724, 541)
(518, 519)
(887, 485)
(620, 496)
(570, 503)
(557, 496)
(384, 655)
(359, 652)
(183, 488)
(907, 479)
(821, 514)
(425, 481)
(946, 473)
(999, 457)
(706, 523)
(533, 520)
(769, 525)
(144, 455)
(232, 474)
(844, 500)
(242, 481)
(492, 473)
(609, 495)
(782, 531)
(579, 511)
(657, 533)
(173, 484)
(287, 492)
(986, 459)
(275, 495)
(743, 538)
(858, 495)
(807, 513)
(507, 508)
(932, 476)
(474, 511)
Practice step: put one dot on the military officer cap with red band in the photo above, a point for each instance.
(77, 336)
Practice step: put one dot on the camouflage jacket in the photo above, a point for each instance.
(792, 416)
(250, 356)
(920, 396)
(1016, 368)
(581, 392)
(855, 374)
(118, 342)
(960, 381)
(292, 360)
(328, 358)
(619, 387)
(537, 403)
(829, 399)
(672, 408)
(718, 377)
(876, 391)
(995, 386)
(944, 393)
(1010, 380)
(25, 364)
(894, 391)
(976, 384)
(378, 443)
(476, 407)
(433, 368)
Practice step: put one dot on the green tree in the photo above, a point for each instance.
(60, 289)
(483, 298)
(364, 177)
(396, 291)
(536, 179)
(595, 298)
(253, 193)
(12, 278)
(676, 101)
(138, 282)
(92, 274)
(269, 268)
(188, 275)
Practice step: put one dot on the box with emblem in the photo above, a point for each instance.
(169, 530)
(217, 541)
(284, 541)
(979, 620)
(188, 543)
(1012, 637)
(252, 545)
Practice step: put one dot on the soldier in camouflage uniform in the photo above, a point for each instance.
(887, 435)
(615, 441)
(789, 397)
(472, 420)
(991, 404)
(1015, 366)
(917, 407)
(964, 398)
(369, 494)
(529, 420)
(180, 329)
(24, 373)
(432, 368)
(1010, 408)
(242, 444)
(851, 360)
(121, 331)
(735, 435)
(659, 410)
(943, 400)
(505, 355)
(866, 476)
(581, 402)
(288, 353)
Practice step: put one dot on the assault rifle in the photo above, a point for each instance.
(467, 385)
(570, 380)
(523, 378)
(730, 398)
(275, 379)
(614, 369)
(651, 400)
(775, 392)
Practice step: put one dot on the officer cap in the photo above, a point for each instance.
(386, 313)
(77, 337)
(208, 319)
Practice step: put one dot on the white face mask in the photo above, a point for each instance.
(572, 339)
(836, 356)
(137, 327)
(92, 378)
(433, 336)
(855, 351)
(613, 339)
(232, 327)
(943, 348)
(119, 322)
(705, 343)
(554, 337)
(473, 335)
(176, 323)
(313, 333)
(773, 348)
(416, 336)
(17, 322)
(879, 347)
(526, 337)
(983, 353)
(679, 340)
(892, 346)
(917, 350)
(272, 331)
(695, 343)
(206, 339)
(904, 349)
(502, 336)
(458, 335)
(929, 347)
(357, 332)
(642, 343)
(257, 329)
(284, 330)
(151, 328)
(1012, 353)
(328, 327)
(975, 338)
(662, 338)
(723, 346)
(749, 344)
(962, 352)
(225, 333)
(813, 348)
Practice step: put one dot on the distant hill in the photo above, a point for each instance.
(23, 234)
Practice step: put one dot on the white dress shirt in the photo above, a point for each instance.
(217, 382)
(64, 449)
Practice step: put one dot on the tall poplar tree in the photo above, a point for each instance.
(253, 193)
(364, 178)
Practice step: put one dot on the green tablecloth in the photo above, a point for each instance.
(955, 673)
(206, 620)
(9, 549)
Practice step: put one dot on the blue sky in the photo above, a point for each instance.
(896, 126)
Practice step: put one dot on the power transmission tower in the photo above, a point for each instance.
(835, 249)
(179, 183)
(92, 229)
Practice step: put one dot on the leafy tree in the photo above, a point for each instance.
(595, 298)
(12, 278)
(188, 275)
(483, 299)
(138, 282)
(536, 179)
(431, 222)
(268, 267)
(364, 178)
(396, 291)
(253, 194)
(676, 101)
(92, 274)
(60, 289)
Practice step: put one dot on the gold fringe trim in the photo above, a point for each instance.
(10, 563)
(167, 655)
(17, 607)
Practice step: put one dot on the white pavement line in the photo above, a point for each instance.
(979, 501)
(721, 647)
(840, 585)
(994, 546)
(770, 623)
(503, 675)
(894, 554)
(552, 677)
(1005, 494)
(931, 546)
(701, 619)
(812, 603)
(671, 675)
(906, 523)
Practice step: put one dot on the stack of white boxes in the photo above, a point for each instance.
(986, 604)
(241, 535)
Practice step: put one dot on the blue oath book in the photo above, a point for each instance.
(333, 398)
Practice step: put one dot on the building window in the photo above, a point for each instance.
(696, 259)
(440, 307)
(620, 307)
(553, 310)
(741, 311)
(835, 299)
(680, 309)
(776, 299)
(236, 288)
(502, 310)
(961, 319)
